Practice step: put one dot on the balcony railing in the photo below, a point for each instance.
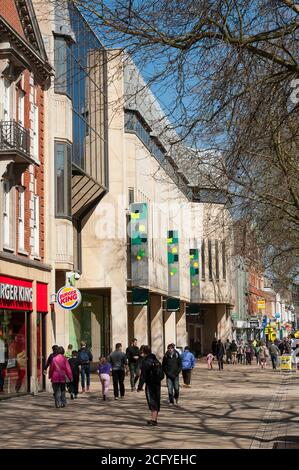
(14, 138)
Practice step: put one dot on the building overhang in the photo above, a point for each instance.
(86, 192)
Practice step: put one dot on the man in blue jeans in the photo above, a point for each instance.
(85, 358)
(172, 366)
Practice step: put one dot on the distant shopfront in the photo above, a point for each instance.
(90, 322)
(16, 328)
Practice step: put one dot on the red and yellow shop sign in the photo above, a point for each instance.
(69, 297)
(15, 294)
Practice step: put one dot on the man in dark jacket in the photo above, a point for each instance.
(85, 358)
(75, 366)
(50, 358)
(172, 366)
(219, 354)
(133, 356)
(152, 384)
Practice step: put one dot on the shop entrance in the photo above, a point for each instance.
(14, 352)
(90, 322)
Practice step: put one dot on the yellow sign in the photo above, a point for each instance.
(286, 363)
(261, 304)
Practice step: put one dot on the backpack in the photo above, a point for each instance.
(156, 372)
(84, 356)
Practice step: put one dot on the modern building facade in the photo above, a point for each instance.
(24, 266)
(121, 213)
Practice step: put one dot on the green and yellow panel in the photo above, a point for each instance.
(194, 267)
(139, 242)
(173, 262)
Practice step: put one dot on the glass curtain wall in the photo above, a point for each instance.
(80, 65)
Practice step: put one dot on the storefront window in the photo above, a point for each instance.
(13, 352)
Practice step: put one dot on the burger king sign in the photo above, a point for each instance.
(69, 297)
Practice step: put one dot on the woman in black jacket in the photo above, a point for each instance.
(151, 374)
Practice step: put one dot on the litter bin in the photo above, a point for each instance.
(286, 363)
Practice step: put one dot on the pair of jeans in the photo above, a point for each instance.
(220, 362)
(118, 376)
(59, 394)
(173, 386)
(85, 370)
(274, 360)
(134, 373)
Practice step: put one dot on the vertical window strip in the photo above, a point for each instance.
(217, 259)
(203, 261)
(21, 231)
(223, 260)
(210, 260)
(63, 164)
(6, 211)
(35, 133)
(36, 225)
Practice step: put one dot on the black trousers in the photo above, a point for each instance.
(187, 376)
(153, 396)
(118, 377)
(74, 385)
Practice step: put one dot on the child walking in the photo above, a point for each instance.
(210, 359)
(104, 374)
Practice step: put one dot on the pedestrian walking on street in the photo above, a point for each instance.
(274, 353)
(152, 375)
(85, 358)
(104, 371)
(248, 353)
(210, 359)
(214, 346)
(49, 360)
(188, 361)
(219, 354)
(264, 354)
(60, 372)
(234, 349)
(227, 349)
(257, 350)
(118, 361)
(68, 352)
(140, 377)
(133, 356)
(240, 352)
(172, 366)
(75, 366)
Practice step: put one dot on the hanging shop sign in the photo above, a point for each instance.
(15, 294)
(69, 297)
(261, 304)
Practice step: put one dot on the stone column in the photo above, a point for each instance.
(157, 325)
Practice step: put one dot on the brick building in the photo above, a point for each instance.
(24, 272)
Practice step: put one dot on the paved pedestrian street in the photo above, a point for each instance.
(241, 407)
